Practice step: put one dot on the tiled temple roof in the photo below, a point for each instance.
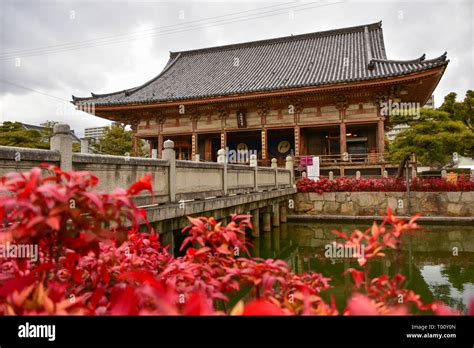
(322, 58)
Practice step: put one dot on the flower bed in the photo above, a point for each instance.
(351, 184)
(91, 263)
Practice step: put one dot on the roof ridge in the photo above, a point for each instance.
(357, 28)
(411, 61)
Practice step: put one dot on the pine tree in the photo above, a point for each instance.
(13, 134)
(434, 135)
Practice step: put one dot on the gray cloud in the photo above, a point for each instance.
(411, 28)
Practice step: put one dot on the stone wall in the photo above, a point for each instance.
(376, 203)
(17, 159)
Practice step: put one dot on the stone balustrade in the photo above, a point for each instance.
(173, 181)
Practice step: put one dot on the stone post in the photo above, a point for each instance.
(84, 146)
(222, 159)
(444, 173)
(290, 167)
(61, 141)
(283, 212)
(253, 163)
(274, 165)
(385, 174)
(358, 175)
(267, 220)
(256, 223)
(276, 215)
(331, 175)
(170, 155)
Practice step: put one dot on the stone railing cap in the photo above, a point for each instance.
(168, 144)
(61, 128)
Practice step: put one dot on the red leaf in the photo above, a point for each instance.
(361, 305)
(16, 284)
(262, 307)
(54, 222)
(123, 302)
(144, 183)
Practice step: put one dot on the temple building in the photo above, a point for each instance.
(319, 94)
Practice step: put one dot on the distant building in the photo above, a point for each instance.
(95, 133)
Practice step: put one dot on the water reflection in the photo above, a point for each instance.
(438, 262)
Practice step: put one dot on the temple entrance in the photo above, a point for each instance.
(281, 143)
(361, 143)
(240, 145)
(208, 145)
(323, 141)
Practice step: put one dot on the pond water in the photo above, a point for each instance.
(438, 261)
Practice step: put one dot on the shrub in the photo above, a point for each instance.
(93, 260)
(351, 184)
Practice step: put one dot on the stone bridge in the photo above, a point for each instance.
(180, 188)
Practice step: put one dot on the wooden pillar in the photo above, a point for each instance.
(264, 145)
(380, 136)
(342, 137)
(255, 223)
(223, 140)
(276, 215)
(160, 145)
(134, 126)
(194, 145)
(341, 105)
(297, 141)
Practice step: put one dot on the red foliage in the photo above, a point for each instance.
(93, 260)
(351, 184)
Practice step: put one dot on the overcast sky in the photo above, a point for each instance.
(78, 47)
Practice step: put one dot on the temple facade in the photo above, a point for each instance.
(320, 94)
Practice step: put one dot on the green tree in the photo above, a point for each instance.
(13, 134)
(433, 136)
(117, 141)
(460, 111)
